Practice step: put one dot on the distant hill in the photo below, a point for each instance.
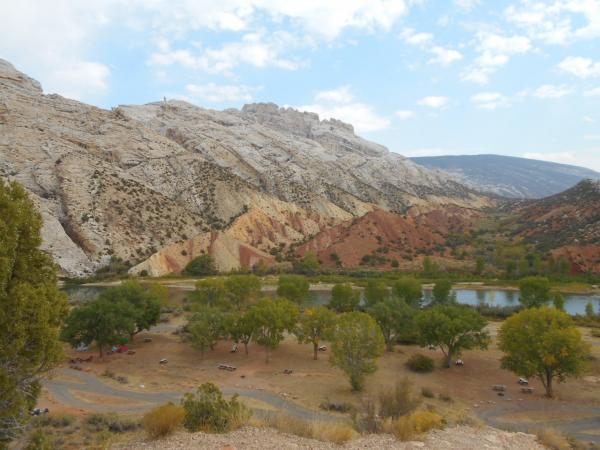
(509, 176)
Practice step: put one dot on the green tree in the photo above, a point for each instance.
(376, 291)
(452, 328)
(545, 343)
(356, 342)
(589, 310)
(203, 265)
(206, 327)
(241, 327)
(534, 291)
(442, 292)
(558, 300)
(479, 266)
(430, 268)
(31, 310)
(271, 319)
(344, 298)
(510, 268)
(294, 288)
(210, 292)
(394, 317)
(243, 289)
(143, 303)
(309, 264)
(104, 321)
(315, 325)
(409, 290)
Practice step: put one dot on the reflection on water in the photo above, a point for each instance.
(574, 304)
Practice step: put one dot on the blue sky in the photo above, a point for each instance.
(424, 77)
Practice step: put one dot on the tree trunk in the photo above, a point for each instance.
(549, 389)
(449, 359)
(246, 348)
(101, 350)
(389, 345)
(316, 350)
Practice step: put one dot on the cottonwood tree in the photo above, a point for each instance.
(344, 298)
(104, 321)
(203, 265)
(442, 292)
(271, 319)
(243, 289)
(31, 310)
(394, 317)
(206, 327)
(294, 288)
(240, 327)
(309, 264)
(376, 291)
(315, 325)
(210, 292)
(453, 329)
(545, 343)
(534, 291)
(356, 342)
(409, 290)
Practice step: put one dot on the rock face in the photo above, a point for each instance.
(129, 182)
(509, 176)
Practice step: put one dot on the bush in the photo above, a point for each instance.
(427, 393)
(53, 420)
(338, 433)
(420, 363)
(399, 402)
(39, 441)
(111, 422)
(406, 428)
(552, 439)
(208, 411)
(163, 420)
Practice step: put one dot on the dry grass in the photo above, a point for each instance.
(553, 439)
(336, 432)
(163, 420)
(409, 427)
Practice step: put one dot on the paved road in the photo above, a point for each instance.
(574, 427)
(143, 401)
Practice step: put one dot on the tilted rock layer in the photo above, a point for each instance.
(156, 179)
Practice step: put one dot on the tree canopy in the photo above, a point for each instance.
(271, 318)
(442, 292)
(31, 309)
(545, 343)
(409, 290)
(315, 325)
(211, 292)
(452, 328)
(356, 342)
(309, 264)
(203, 265)
(344, 298)
(534, 291)
(294, 288)
(376, 291)
(206, 327)
(394, 317)
(243, 289)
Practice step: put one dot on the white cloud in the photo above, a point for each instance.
(588, 119)
(595, 92)
(580, 67)
(342, 94)
(404, 114)
(444, 56)
(557, 22)
(432, 101)
(412, 37)
(467, 5)
(494, 52)
(549, 91)
(489, 100)
(256, 49)
(340, 104)
(215, 93)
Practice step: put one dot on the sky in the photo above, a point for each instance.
(423, 77)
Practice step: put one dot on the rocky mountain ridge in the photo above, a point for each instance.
(129, 182)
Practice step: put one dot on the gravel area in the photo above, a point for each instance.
(463, 438)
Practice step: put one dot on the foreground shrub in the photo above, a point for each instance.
(406, 428)
(399, 402)
(420, 363)
(111, 422)
(207, 410)
(336, 432)
(39, 441)
(53, 420)
(552, 439)
(163, 420)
